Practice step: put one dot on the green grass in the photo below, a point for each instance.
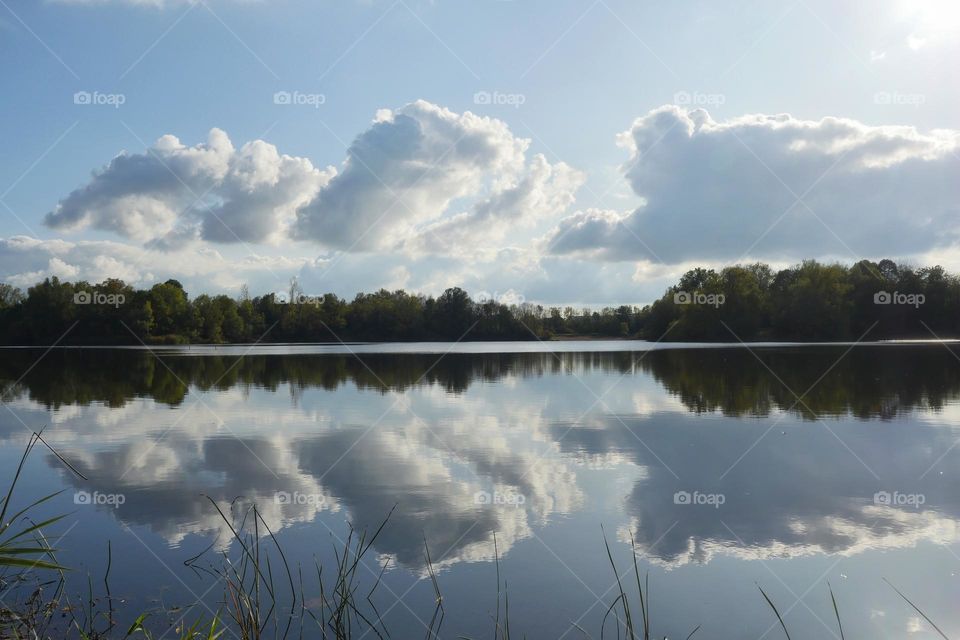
(22, 544)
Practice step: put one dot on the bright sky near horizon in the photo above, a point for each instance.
(581, 152)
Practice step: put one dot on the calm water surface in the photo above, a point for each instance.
(705, 457)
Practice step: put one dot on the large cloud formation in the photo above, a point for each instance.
(406, 175)
(546, 190)
(457, 199)
(774, 187)
(247, 195)
(396, 188)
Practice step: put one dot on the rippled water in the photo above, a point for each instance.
(782, 466)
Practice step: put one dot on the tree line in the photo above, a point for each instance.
(809, 301)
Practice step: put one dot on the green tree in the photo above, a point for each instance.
(171, 309)
(50, 310)
(208, 316)
(10, 296)
(813, 302)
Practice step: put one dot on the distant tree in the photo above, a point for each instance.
(889, 270)
(453, 314)
(141, 318)
(815, 303)
(208, 316)
(232, 327)
(50, 310)
(745, 308)
(10, 296)
(171, 310)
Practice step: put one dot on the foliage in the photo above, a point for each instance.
(22, 543)
(809, 301)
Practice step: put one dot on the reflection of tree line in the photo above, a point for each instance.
(81, 376)
(867, 381)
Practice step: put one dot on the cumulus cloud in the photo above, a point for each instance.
(419, 179)
(724, 190)
(249, 194)
(428, 198)
(546, 190)
(261, 194)
(407, 169)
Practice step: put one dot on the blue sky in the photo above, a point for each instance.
(602, 217)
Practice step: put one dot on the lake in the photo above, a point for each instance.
(723, 467)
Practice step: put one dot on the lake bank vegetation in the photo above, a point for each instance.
(807, 302)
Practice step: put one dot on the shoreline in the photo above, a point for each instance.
(476, 346)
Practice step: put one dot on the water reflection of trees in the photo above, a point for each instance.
(864, 382)
(878, 381)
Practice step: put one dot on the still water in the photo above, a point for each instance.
(786, 467)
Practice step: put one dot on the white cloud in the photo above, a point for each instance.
(933, 23)
(546, 190)
(231, 195)
(719, 190)
(916, 42)
(406, 170)
(261, 194)
(428, 198)
(421, 178)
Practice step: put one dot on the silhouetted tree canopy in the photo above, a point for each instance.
(806, 302)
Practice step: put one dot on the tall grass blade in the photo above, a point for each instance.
(836, 611)
(772, 606)
(917, 609)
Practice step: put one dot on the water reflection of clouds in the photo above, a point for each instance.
(430, 448)
(799, 491)
(431, 470)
